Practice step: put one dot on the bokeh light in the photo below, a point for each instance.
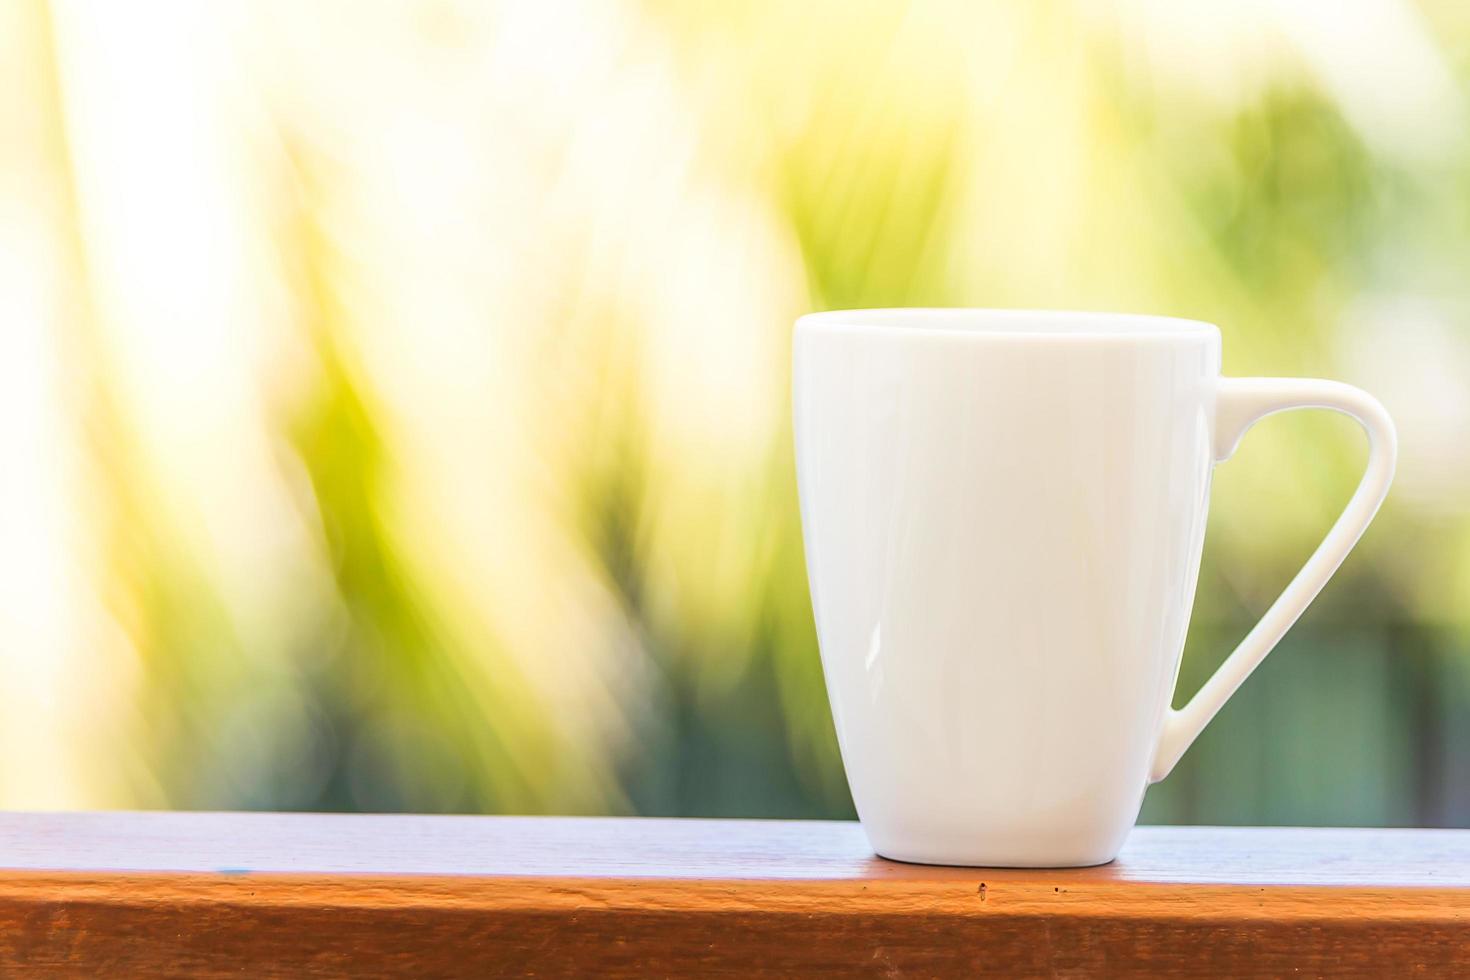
(394, 402)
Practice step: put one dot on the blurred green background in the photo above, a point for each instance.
(394, 403)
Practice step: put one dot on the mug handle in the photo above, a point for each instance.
(1241, 403)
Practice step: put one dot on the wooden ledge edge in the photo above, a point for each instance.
(774, 897)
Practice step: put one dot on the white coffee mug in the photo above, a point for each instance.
(1003, 514)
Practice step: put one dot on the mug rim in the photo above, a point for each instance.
(1009, 323)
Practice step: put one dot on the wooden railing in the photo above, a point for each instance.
(115, 894)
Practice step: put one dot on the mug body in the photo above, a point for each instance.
(1003, 514)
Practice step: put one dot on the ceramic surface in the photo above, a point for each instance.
(1003, 515)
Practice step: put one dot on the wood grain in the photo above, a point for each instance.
(170, 894)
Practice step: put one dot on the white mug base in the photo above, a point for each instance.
(996, 851)
(983, 860)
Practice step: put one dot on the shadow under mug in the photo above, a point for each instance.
(1003, 514)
